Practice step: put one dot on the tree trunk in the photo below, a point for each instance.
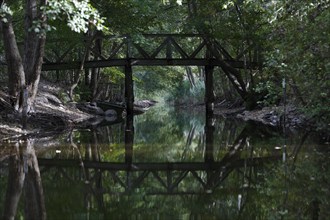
(190, 76)
(35, 202)
(16, 177)
(16, 75)
(96, 71)
(25, 73)
(86, 57)
(247, 94)
(34, 44)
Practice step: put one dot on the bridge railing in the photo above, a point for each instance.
(166, 178)
(146, 50)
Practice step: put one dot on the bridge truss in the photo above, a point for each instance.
(151, 50)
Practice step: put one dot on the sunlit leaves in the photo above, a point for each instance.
(80, 15)
(4, 12)
(228, 4)
(113, 74)
(166, 2)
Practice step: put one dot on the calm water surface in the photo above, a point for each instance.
(167, 164)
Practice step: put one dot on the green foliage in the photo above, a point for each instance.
(83, 93)
(113, 74)
(293, 36)
(298, 49)
(281, 189)
(184, 93)
(80, 15)
(5, 11)
(273, 93)
(154, 81)
(129, 16)
(63, 96)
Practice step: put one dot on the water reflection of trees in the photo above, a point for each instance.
(109, 186)
(177, 178)
(24, 175)
(233, 178)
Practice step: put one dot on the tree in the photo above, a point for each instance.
(24, 69)
(298, 50)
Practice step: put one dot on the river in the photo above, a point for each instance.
(168, 164)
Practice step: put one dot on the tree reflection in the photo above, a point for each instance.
(129, 139)
(15, 183)
(238, 174)
(24, 174)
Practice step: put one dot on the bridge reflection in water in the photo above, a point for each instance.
(162, 178)
(129, 177)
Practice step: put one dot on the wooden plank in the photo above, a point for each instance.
(159, 179)
(141, 51)
(198, 178)
(209, 90)
(98, 54)
(183, 54)
(116, 178)
(159, 48)
(128, 47)
(59, 59)
(172, 35)
(198, 49)
(176, 183)
(147, 62)
(115, 51)
(169, 49)
(129, 90)
(222, 50)
(140, 179)
(189, 166)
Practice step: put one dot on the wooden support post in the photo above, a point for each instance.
(209, 142)
(129, 48)
(169, 181)
(209, 105)
(209, 151)
(168, 49)
(209, 128)
(129, 139)
(209, 93)
(129, 92)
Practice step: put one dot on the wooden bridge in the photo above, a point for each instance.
(167, 178)
(150, 50)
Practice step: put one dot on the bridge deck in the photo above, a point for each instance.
(193, 166)
(147, 62)
(150, 50)
(168, 178)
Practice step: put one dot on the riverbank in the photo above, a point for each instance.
(51, 114)
(271, 116)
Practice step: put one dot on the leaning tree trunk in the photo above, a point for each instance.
(78, 74)
(16, 177)
(94, 86)
(34, 47)
(16, 76)
(246, 92)
(25, 73)
(35, 199)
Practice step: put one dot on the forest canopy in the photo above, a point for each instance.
(289, 38)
